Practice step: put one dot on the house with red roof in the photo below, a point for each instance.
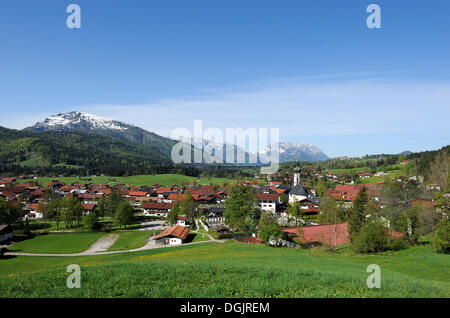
(174, 235)
(88, 208)
(138, 194)
(268, 201)
(36, 211)
(156, 208)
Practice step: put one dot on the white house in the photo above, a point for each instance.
(35, 212)
(182, 221)
(268, 201)
(174, 235)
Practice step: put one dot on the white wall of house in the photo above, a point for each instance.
(153, 213)
(268, 206)
(296, 198)
(175, 241)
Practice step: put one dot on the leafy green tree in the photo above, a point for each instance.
(172, 215)
(414, 226)
(124, 214)
(357, 213)
(112, 202)
(321, 187)
(10, 214)
(268, 227)
(101, 207)
(53, 211)
(188, 207)
(441, 239)
(331, 212)
(72, 210)
(91, 221)
(372, 237)
(241, 202)
(250, 225)
(284, 199)
(299, 238)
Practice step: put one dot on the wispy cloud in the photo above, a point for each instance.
(300, 108)
(318, 108)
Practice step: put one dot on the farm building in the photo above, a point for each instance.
(174, 235)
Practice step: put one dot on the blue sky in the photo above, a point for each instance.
(311, 68)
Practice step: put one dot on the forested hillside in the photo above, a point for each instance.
(23, 152)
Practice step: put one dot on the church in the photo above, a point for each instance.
(304, 197)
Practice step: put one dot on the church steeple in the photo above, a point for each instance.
(296, 176)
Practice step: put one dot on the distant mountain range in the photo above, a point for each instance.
(292, 151)
(83, 122)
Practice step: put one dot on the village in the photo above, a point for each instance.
(290, 203)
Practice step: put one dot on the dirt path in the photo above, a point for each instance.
(101, 245)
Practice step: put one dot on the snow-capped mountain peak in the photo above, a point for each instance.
(77, 120)
(292, 151)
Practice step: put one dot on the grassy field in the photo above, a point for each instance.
(56, 243)
(396, 171)
(230, 270)
(140, 180)
(197, 237)
(131, 240)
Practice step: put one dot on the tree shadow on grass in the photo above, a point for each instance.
(17, 239)
(190, 238)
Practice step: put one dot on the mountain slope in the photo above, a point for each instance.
(68, 151)
(83, 122)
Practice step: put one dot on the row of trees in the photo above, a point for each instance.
(70, 211)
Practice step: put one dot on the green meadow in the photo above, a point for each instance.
(139, 180)
(64, 243)
(395, 171)
(131, 240)
(231, 269)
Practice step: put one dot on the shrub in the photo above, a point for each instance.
(441, 240)
(91, 221)
(106, 228)
(397, 244)
(372, 238)
(225, 235)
